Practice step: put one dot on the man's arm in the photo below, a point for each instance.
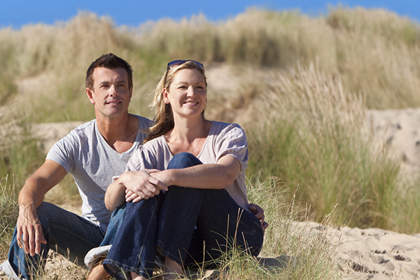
(29, 231)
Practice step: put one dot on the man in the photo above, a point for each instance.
(93, 153)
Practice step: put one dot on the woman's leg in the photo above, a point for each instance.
(224, 225)
(190, 216)
(133, 249)
(177, 233)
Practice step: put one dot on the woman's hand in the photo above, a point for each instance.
(132, 186)
(140, 185)
(259, 213)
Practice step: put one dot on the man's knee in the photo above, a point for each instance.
(46, 210)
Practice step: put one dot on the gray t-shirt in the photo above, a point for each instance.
(223, 139)
(92, 162)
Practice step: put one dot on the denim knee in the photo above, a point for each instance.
(183, 160)
(43, 211)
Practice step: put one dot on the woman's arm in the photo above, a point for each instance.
(204, 176)
(139, 183)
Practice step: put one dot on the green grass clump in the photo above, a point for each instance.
(8, 212)
(305, 251)
(315, 137)
(19, 152)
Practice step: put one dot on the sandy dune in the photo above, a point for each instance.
(399, 131)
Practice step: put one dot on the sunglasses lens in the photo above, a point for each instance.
(175, 63)
(199, 64)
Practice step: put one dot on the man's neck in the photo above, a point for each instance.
(120, 132)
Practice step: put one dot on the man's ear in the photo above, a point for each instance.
(165, 96)
(90, 94)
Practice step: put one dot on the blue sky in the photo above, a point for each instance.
(16, 13)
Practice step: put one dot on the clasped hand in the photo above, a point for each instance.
(142, 185)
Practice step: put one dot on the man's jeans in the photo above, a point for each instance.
(71, 235)
(179, 222)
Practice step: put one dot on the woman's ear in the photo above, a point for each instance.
(166, 96)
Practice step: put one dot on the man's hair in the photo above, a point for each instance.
(109, 61)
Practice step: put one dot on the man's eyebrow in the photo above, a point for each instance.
(102, 83)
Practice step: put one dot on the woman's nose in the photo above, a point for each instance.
(190, 91)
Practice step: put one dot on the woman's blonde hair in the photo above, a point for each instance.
(164, 120)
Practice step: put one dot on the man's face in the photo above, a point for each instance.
(110, 94)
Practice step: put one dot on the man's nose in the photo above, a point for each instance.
(113, 91)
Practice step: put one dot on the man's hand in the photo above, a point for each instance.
(29, 230)
(259, 213)
(140, 185)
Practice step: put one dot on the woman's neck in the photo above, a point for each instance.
(187, 130)
(188, 136)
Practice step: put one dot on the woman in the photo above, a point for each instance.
(203, 212)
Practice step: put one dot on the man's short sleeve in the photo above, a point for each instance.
(62, 153)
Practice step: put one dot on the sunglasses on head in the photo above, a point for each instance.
(175, 63)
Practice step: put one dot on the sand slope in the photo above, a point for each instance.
(399, 132)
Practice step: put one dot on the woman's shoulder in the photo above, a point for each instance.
(147, 154)
(157, 143)
(224, 128)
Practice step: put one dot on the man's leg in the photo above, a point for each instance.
(72, 236)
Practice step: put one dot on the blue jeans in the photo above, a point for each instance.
(114, 225)
(72, 236)
(178, 224)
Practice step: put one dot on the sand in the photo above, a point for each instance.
(376, 253)
(399, 132)
(372, 253)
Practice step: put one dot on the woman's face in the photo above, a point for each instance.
(187, 93)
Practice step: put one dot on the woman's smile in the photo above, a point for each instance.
(188, 90)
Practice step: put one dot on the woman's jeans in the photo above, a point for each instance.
(180, 224)
(72, 236)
